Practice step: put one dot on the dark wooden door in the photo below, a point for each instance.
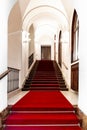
(45, 52)
(75, 76)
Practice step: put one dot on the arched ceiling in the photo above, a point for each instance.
(56, 14)
(45, 13)
(44, 10)
(68, 5)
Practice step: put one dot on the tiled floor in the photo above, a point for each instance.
(16, 97)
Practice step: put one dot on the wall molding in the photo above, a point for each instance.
(13, 33)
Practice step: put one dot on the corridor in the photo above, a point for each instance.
(35, 31)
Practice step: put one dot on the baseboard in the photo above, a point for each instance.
(11, 94)
(3, 115)
(82, 117)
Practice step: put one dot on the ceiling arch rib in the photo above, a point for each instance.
(35, 14)
(35, 8)
(57, 4)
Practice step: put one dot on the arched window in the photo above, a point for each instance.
(75, 38)
(74, 53)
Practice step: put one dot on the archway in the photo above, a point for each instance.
(60, 50)
(74, 53)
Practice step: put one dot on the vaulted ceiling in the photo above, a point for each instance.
(52, 15)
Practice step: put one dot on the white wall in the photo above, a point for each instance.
(3, 54)
(66, 63)
(65, 67)
(15, 52)
(25, 55)
(15, 49)
(81, 8)
(4, 11)
(82, 12)
(24, 68)
(45, 40)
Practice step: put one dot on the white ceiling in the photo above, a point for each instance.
(56, 14)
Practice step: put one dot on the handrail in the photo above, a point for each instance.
(65, 66)
(10, 68)
(75, 62)
(4, 74)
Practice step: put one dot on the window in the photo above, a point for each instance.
(75, 38)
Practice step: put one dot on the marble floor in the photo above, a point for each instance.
(16, 96)
(70, 95)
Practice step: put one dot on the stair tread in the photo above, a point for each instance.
(43, 100)
(42, 118)
(42, 128)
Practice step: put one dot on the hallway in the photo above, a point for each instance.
(38, 30)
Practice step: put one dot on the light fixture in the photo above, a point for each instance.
(25, 37)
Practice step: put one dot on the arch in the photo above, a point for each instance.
(60, 49)
(74, 53)
(75, 37)
(35, 13)
(58, 10)
(31, 46)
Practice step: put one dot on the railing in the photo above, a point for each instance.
(4, 74)
(13, 79)
(65, 66)
(30, 60)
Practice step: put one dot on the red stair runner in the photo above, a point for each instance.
(43, 101)
(41, 118)
(42, 128)
(43, 109)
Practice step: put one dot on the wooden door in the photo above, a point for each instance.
(75, 77)
(45, 52)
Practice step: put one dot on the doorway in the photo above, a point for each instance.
(60, 50)
(45, 52)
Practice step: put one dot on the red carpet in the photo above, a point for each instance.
(43, 101)
(43, 108)
(41, 118)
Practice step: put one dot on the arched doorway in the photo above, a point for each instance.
(74, 53)
(60, 50)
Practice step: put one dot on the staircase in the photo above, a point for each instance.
(44, 107)
(46, 76)
(28, 80)
(42, 110)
